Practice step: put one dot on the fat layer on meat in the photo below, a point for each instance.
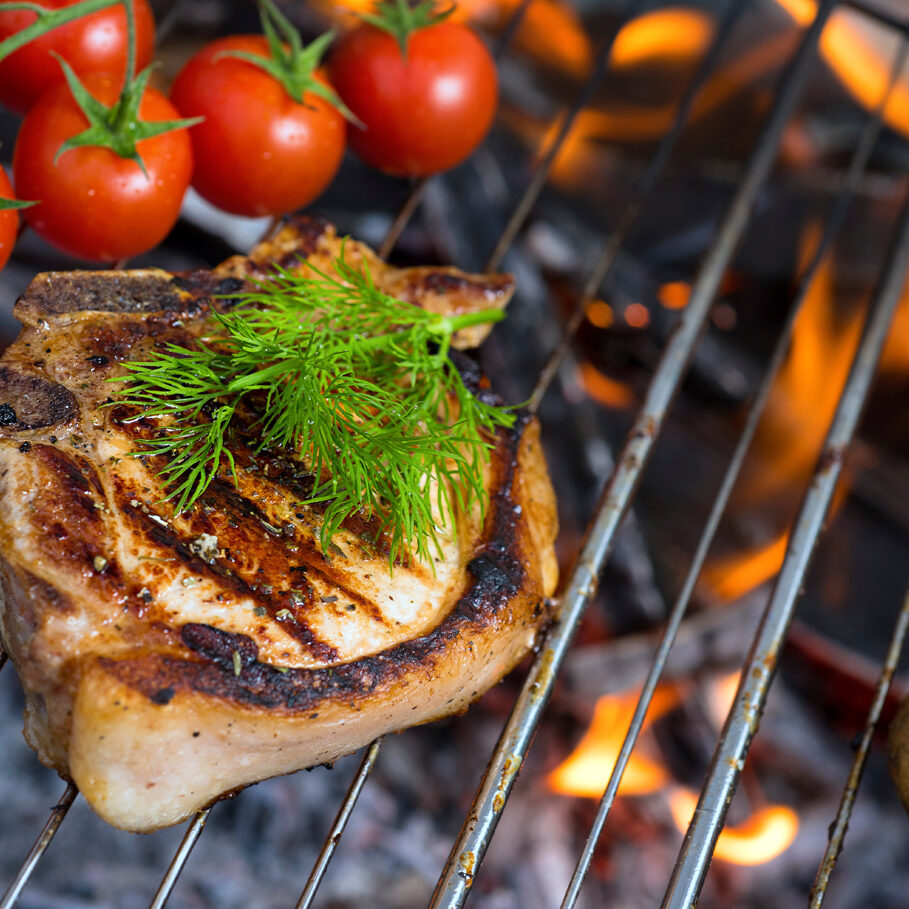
(168, 660)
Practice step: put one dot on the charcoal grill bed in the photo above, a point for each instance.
(579, 585)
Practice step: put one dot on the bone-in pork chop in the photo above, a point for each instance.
(169, 659)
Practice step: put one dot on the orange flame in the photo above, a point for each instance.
(601, 388)
(895, 357)
(586, 770)
(669, 33)
(761, 838)
(769, 832)
(806, 392)
(733, 577)
(860, 53)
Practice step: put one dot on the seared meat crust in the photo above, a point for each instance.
(170, 659)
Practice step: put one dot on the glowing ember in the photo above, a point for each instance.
(675, 294)
(600, 313)
(636, 315)
(586, 770)
(768, 833)
(602, 389)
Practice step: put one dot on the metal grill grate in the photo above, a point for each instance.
(577, 589)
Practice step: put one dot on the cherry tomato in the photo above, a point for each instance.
(93, 203)
(258, 152)
(424, 113)
(9, 220)
(95, 43)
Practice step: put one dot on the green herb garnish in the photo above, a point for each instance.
(356, 383)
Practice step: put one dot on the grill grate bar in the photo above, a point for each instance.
(757, 675)
(541, 175)
(850, 792)
(498, 780)
(406, 212)
(518, 217)
(58, 812)
(337, 829)
(190, 838)
(879, 14)
(636, 201)
(841, 205)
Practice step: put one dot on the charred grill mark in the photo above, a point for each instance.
(32, 402)
(165, 537)
(75, 478)
(116, 340)
(74, 532)
(112, 292)
(499, 575)
(310, 558)
(40, 591)
(445, 282)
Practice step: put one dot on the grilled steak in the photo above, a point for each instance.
(167, 659)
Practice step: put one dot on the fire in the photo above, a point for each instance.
(601, 388)
(670, 35)
(766, 834)
(586, 770)
(860, 54)
(807, 389)
(733, 577)
(666, 34)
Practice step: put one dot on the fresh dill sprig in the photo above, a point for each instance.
(356, 383)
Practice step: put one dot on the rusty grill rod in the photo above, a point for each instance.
(58, 812)
(519, 215)
(497, 783)
(849, 183)
(758, 673)
(850, 791)
(565, 120)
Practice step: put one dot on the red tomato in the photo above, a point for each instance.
(9, 220)
(96, 43)
(93, 203)
(258, 152)
(423, 114)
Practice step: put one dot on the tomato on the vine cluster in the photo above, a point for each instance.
(258, 151)
(93, 43)
(423, 112)
(93, 202)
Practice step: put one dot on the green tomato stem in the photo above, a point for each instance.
(47, 20)
(131, 40)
